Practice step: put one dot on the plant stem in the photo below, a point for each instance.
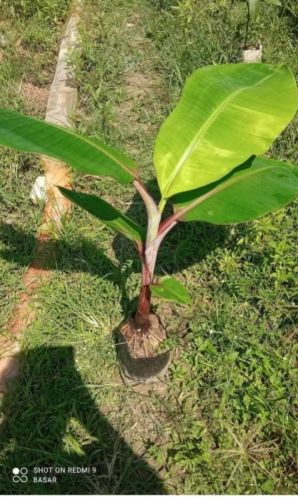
(144, 301)
(247, 26)
(146, 277)
(153, 212)
(141, 318)
(162, 204)
(169, 223)
(148, 266)
(148, 253)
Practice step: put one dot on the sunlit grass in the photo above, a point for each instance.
(223, 421)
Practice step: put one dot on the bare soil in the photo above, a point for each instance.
(36, 98)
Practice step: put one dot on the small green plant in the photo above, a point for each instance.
(206, 158)
(252, 10)
(254, 5)
(185, 10)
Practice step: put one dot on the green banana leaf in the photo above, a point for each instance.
(168, 288)
(274, 2)
(87, 155)
(253, 6)
(227, 113)
(255, 188)
(106, 213)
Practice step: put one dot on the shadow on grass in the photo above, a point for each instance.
(81, 256)
(50, 393)
(46, 411)
(185, 245)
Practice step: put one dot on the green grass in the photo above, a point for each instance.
(224, 420)
(29, 45)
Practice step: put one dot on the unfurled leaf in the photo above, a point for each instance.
(255, 188)
(106, 213)
(274, 2)
(87, 155)
(253, 6)
(227, 113)
(170, 289)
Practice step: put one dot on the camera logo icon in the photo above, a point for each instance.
(20, 475)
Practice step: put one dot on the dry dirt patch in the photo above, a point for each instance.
(138, 84)
(36, 98)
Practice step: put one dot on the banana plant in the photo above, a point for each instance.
(207, 156)
(254, 5)
(252, 10)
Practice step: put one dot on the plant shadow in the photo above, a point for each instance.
(45, 414)
(187, 244)
(82, 255)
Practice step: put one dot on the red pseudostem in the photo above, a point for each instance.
(148, 253)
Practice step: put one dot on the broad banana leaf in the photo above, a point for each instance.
(227, 113)
(255, 188)
(87, 155)
(106, 213)
(168, 288)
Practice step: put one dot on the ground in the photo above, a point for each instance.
(223, 421)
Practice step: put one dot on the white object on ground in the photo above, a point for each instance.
(39, 190)
(252, 54)
(61, 102)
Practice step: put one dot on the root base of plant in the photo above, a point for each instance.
(144, 343)
(138, 351)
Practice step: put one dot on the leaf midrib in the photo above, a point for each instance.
(203, 129)
(77, 136)
(118, 216)
(222, 187)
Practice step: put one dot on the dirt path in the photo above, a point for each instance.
(142, 86)
(61, 102)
